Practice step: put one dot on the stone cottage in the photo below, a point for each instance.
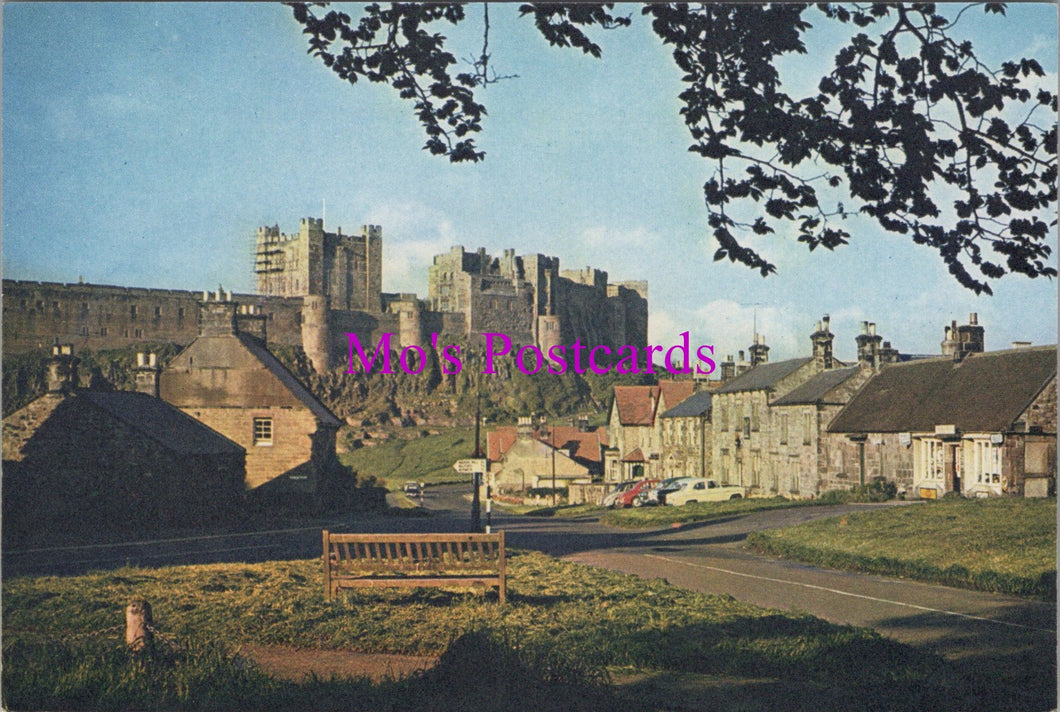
(973, 422)
(119, 461)
(227, 379)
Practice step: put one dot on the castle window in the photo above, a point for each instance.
(263, 431)
(158, 312)
(55, 306)
(103, 331)
(132, 312)
(180, 312)
(138, 333)
(84, 331)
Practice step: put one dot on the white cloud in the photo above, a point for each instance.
(413, 233)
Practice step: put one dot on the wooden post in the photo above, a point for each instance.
(138, 625)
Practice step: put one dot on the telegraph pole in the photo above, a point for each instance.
(476, 477)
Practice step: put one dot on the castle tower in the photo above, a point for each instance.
(311, 235)
(315, 334)
(410, 328)
(822, 343)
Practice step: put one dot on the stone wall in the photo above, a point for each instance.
(96, 317)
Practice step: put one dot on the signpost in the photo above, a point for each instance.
(476, 467)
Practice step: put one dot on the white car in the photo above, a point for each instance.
(700, 489)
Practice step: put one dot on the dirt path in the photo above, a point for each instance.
(295, 664)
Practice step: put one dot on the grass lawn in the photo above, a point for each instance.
(428, 459)
(998, 545)
(567, 631)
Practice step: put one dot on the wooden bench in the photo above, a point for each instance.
(414, 560)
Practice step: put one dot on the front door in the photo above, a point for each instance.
(953, 468)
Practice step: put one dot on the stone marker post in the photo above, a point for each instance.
(138, 625)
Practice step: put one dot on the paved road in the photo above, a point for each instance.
(1003, 640)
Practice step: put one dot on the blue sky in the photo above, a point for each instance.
(144, 143)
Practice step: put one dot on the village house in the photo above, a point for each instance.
(227, 379)
(634, 429)
(93, 460)
(974, 422)
(686, 438)
(769, 423)
(740, 419)
(523, 457)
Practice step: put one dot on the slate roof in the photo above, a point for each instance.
(288, 379)
(986, 392)
(697, 404)
(815, 391)
(152, 417)
(162, 422)
(764, 375)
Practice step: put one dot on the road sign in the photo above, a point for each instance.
(470, 465)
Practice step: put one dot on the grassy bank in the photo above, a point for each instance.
(567, 627)
(998, 545)
(423, 459)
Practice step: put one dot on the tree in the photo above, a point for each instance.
(908, 128)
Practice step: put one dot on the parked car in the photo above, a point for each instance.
(413, 489)
(609, 499)
(700, 489)
(632, 496)
(657, 494)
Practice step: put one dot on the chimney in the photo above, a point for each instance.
(888, 354)
(146, 374)
(822, 343)
(62, 369)
(217, 317)
(963, 340)
(728, 369)
(524, 428)
(250, 320)
(759, 351)
(869, 346)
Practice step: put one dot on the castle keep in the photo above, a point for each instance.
(314, 287)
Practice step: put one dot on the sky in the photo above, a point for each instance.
(145, 143)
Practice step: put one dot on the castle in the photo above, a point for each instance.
(314, 287)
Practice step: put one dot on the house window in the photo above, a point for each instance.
(263, 431)
(807, 427)
(783, 418)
